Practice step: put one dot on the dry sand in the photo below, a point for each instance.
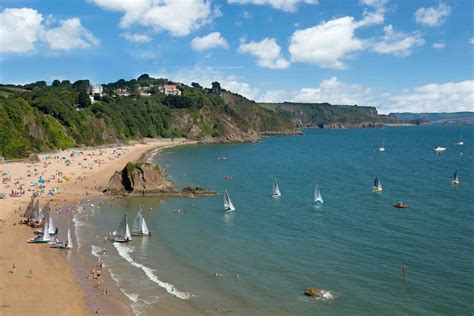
(53, 288)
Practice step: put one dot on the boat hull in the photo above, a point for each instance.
(141, 234)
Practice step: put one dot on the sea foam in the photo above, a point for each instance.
(124, 252)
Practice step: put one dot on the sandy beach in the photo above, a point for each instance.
(36, 279)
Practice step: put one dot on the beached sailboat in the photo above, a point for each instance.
(139, 226)
(276, 189)
(381, 148)
(67, 244)
(122, 234)
(460, 142)
(377, 185)
(455, 178)
(318, 198)
(41, 239)
(29, 208)
(51, 226)
(228, 206)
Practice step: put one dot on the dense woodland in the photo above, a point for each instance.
(39, 117)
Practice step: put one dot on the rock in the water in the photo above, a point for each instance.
(140, 179)
(313, 292)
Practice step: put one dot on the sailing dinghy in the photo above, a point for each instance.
(65, 245)
(318, 198)
(276, 189)
(139, 226)
(41, 239)
(460, 142)
(455, 178)
(377, 185)
(122, 234)
(381, 148)
(228, 206)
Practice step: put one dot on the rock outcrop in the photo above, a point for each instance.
(313, 292)
(146, 179)
(140, 179)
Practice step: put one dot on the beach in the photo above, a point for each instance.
(36, 279)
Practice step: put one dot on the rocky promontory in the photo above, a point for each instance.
(146, 179)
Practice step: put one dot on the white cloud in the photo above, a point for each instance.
(206, 75)
(435, 97)
(22, 29)
(210, 41)
(267, 52)
(179, 17)
(19, 30)
(326, 44)
(438, 45)
(450, 96)
(284, 5)
(374, 3)
(70, 34)
(471, 41)
(397, 43)
(433, 16)
(136, 37)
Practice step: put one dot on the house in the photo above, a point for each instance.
(96, 89)
(170, 89)
(122, 92)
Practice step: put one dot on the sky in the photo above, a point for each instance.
(406, 55)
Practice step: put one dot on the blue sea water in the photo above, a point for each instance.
(268, 251)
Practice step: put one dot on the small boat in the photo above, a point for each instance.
(65, 245)
(41, 239)
(122, 234)
(455, 178)
(400, 205)
(439, 150)
(460, 142)
(228, 206)
(139, 226)
(377, 185)
(52, 229)
(318, 198)
(276, 189)
(381, 148)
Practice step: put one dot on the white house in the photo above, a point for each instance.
(170, 89)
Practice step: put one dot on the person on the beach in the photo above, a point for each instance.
(13, 268)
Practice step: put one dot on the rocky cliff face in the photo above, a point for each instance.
(140, 179)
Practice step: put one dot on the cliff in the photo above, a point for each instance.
(146, 179)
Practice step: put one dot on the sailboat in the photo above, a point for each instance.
(276, 189)
(460, 142)
(318, 198)
(29, 209)
(65, 245)
(377, 185)
(455, 178)
(381, 148)
(139, 226)
(52, 228)
(41, 239)
(228, 206)
(122, 234)
(439, 150)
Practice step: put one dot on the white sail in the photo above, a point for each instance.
(29, 209)
(123, 231)
(228, 206)
(455, 178)
(276, 189)
(69, 240)
(139, 225)
(52, 228)
(377, 185)
(46, 232)
(318, 198)
(460, 142)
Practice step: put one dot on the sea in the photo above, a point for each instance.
(259, 259)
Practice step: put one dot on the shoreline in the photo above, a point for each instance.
(56, 285)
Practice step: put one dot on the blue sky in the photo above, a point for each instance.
(396, 55)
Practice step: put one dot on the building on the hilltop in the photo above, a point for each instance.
(122, 92)
(170, 89)
(96, 91)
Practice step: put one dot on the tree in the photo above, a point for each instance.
(216, 88)
(144, 77)
(196, 85)
(83, 99)
(56, 83)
